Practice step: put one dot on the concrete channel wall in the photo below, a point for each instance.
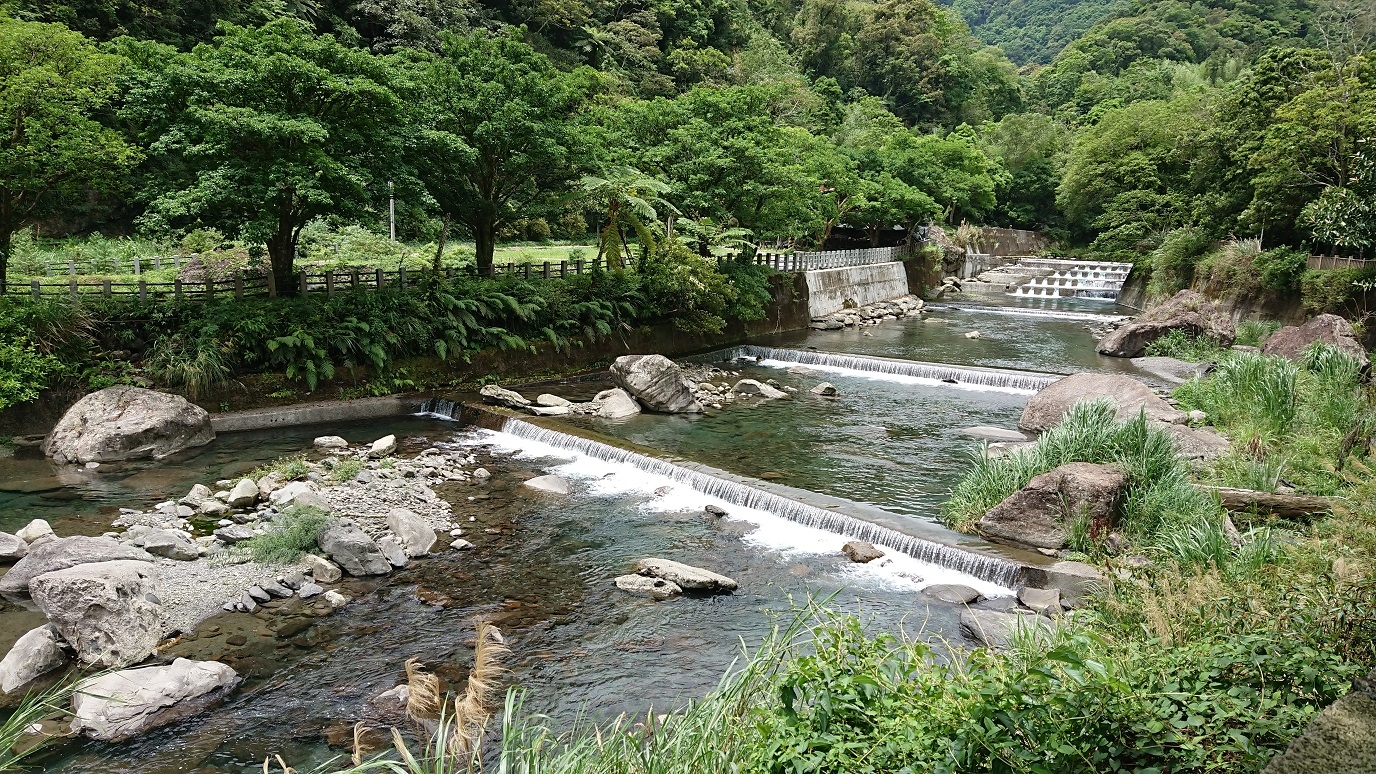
(831, 290)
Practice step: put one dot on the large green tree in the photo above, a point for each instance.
(272, 127)
(53, 150)
(500, 135)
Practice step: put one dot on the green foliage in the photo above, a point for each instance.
(1281, 269)
(1182, 346)
(292, 534)
(24, 372)
(289, 468)
(344, 469)
(1253, 333)
(1173, 263)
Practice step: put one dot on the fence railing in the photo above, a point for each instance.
(329, 282)
(834, 259)
(1338, 262)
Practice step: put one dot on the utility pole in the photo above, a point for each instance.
(392, 210)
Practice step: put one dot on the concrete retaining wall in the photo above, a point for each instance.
(312, 413)
(831, 290)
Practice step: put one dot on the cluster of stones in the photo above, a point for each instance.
(869, 314)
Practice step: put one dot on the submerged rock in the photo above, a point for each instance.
(657, 382)
(687, 577)
(1186, 311)
(124, 704)
(127, 423)
(551, 484)
(108, 611)
(1038, 515)
(657, 588)
(1130, 397)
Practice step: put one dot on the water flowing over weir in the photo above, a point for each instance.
(1027, 382)
(985, 566)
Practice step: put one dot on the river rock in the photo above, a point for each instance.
(994, 629)
(392, 550)
(235, 533)
(34, 531)
(417, 537)
(551, 401)
(322, 569)
(199, 493)
(825, 389)
(108, 611)
(127, 423)
(1038, 514)
(11, 547)
(301, 494)
(125, 704)
(551, 484)
(860, 552)
(1292, 341)
(1005, 448)
(1186, 311)
(1045, 409)
(1169, 369)
(952, 593)
(1197, 443)
(500, 396)
(993, 434)
(1339, 740)
(550, 411)
(61, 553)
(36, 653)
(244, 494)
(684, 576)
(352, 549)
(213, 508)
(657, 382)
(1044, 601)
(382, 447)
(330, 442)
(658, 588)
(309, 590)
(170, 544)
(616, 404)
(754, 387)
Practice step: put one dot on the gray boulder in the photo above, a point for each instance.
(322, 569)
(127, 423)
(125, 704)
(1186, 311)
(684, 576)
(1292, 341)
(825, 389)
(995, 629)
(12, 548)
(500, 396)
(34, 531)
(1339, 740)
(755, 387)
(236, 533)
(1197, 443)
(36, 653)
(552, 401)
(244, 494)
(1038, 515)
(352, 549)
(1170, 370)
(616, 404)
(108, 611)
(417, 537)
(61, 553)
(550, 484)
(860, 552)
(952, 593)
(199, 493)
(392, 550)
(1129, 397)
(330, 442)
(657, 382)
(657, 588)
(171, 545)
(383, 446)
(1044, 601)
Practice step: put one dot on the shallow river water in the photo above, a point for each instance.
(542, 567)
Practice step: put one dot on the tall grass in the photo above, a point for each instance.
(1254, 333)
(292, 534)
(17, 742)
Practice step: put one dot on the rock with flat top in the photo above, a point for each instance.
(500, 396)
(994, 629)
(1039, 514)
(615, 404)
(330, 442)
(550, 484)
(656, 382)
(755, 387)
(551, 401)
(33, 655)
(952, 593)
(127, 423)
(1186, 311)
(1044, 601)
(685, 576)
(1128, 396)
(109, 611)
(860, 552)
(171, 544)
(656, 588)
(122, 705)
(997, 434)
(353, 550)
(60, 553)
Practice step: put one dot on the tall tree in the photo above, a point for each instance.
(500, 132)
(53, 151)
(275, 127)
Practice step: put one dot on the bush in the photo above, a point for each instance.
(1280, 269)
(24, 373)
(292, 534)
(1173, 263)
(1179, 344)
(1254, 333)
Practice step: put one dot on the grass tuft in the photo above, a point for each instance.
(293, 534)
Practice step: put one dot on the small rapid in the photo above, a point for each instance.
(911, 371)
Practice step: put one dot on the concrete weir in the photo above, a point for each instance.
(831, 290)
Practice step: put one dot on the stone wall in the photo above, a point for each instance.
(830, 290)
(1012, 241)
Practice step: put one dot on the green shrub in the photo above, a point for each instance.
(292, 534)
(1334, 291)
(1181, 345)
(1281, 269)
(24, 373)
(345, 469)
(1173, 263)
(1254, 333)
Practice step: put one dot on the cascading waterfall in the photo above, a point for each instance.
(1026, 382)
(988, 568)
(1079, 279)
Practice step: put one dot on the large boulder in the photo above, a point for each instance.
(995, 629)
(1171, 370)
(1186, 311)
(656, 588)
(36, 653)
(551, 484)
(1045, 409)
(127, 423)
(1339, 740)
(122, 705)
(12, 547)
(685, 576)
(61, 553)
(108, 611)
(1039, 514)
(615, 403)
(416, 535)
(1292, 341)
(352, 549)
(500, 396)
(756, 387)
(657, 382)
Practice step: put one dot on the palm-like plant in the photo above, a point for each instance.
(629, 199)
(709, 238)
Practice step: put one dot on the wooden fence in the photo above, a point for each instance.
(1322, 262)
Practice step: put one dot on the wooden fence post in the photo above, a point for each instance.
(329, 283)
(177, 289)
(37, 290)
(381, 278)
(106, 289)
(238, 286)
(138, 267)
(545, 273)
(401, 277)
(272, 284)
(353, 278)
(301, 283)
(209, 288)
(143, 291)
(563, 269)
(577, 265)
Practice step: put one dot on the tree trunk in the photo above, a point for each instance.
(282, 260)
(484, 237)
(874, 235)
(439, 252)
(1287, 506)
(5, 260)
